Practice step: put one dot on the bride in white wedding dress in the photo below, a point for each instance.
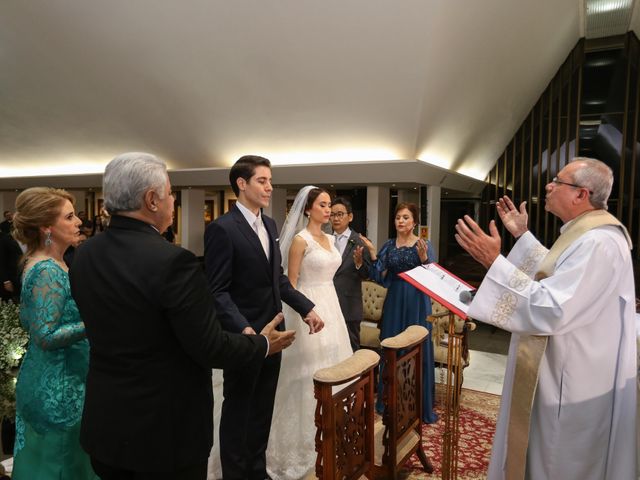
(311, 260)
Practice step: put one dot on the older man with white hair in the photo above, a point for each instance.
(154, 335)
(568, 407)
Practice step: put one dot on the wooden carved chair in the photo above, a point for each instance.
(345, 417)
(399, 434)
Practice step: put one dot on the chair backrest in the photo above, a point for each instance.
(373, 296)
(439, 318)
(344, 418)
(400, 433)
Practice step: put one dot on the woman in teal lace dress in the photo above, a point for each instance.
(404, 304)
(51, 382)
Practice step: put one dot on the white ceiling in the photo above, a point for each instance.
(201, 82)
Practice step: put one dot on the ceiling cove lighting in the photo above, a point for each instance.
(437, 160)
(61, 165)
(332, 156)
(473, 173)
(52, 168)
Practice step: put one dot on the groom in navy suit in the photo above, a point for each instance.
(243, 266)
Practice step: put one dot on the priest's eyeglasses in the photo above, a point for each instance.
(560, 182)
(337, 215)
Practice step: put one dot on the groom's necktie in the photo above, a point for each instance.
(260, 229)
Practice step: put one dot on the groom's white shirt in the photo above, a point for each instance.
(261, 231)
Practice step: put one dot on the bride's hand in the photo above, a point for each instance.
(314, 321)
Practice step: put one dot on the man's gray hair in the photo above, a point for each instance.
(128, 176)
(597, 177)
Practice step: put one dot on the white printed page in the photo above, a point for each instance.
(442, 285)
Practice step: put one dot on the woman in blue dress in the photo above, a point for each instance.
(405, 305)
(51, 383)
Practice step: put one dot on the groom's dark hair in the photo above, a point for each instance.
(245, 167)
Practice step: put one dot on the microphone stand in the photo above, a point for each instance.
(451, 434)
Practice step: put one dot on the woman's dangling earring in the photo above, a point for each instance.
(47, 239)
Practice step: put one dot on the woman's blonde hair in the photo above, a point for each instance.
(37, 207)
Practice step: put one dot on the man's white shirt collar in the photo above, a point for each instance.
(346, 233)
(249, 216)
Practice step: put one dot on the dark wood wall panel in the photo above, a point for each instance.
(570, 120)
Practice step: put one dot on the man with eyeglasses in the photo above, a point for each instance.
(353, 270)
(568, 405)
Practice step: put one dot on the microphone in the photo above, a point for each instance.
(467, 295)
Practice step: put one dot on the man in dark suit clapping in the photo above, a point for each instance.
(243, 265)
(353, 270)
(154, 335)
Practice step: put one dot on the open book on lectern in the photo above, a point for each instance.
(441, 285)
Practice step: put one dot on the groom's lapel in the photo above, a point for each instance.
(250, 235)
(273, 241)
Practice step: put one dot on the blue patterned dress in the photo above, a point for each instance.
(406, 305)
(51, 382)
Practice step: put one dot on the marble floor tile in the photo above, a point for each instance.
(485, 372)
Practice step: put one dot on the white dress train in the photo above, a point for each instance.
(291, 451)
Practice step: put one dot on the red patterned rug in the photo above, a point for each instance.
(478, 414)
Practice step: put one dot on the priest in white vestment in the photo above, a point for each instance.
(571, 311)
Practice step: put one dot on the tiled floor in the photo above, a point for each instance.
(485, 372)
(488, 359)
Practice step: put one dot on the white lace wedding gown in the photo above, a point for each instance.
(291, 451)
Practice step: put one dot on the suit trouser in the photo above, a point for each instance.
(245, 422)
(354, 334)
(107, 472)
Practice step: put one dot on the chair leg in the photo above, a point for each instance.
(426, 464)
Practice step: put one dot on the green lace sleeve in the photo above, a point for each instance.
(44, 296)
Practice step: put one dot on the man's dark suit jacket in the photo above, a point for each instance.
(5, 227)
(348, 283)
(246, 286)
(154, 338)
(10, 254)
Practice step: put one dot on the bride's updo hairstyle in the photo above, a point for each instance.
(37, 207)
(311, 197)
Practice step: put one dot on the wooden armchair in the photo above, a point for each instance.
(399, 433)
(373, 296)
(345, 417)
